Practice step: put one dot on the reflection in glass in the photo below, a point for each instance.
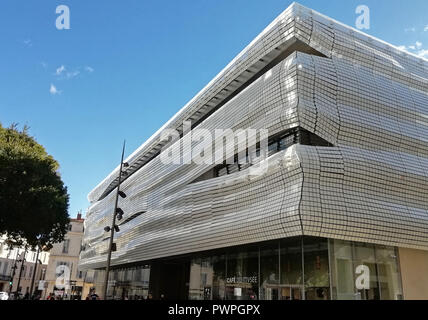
(388, 273)
(219, 277)
(364, 271)
(242, 274)
(364, 261)
(342, 270)
(278, 270)
(195, 285)
(291, 277)
(316, 268)
(269, 271)
(129, 283)
(201, 278)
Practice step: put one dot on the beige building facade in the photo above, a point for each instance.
(414, 267)
(63, 276)
(17, 268)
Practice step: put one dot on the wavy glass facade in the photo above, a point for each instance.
(347, 116)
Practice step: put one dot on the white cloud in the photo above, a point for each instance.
(66, 73)
(72, 74)
(60, 70)
(53, 90)
(426, 28)
(412, 29)
(422, 53)
(27, 42)
(416, 49)
(89, 69)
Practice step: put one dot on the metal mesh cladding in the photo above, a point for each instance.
(365, 97)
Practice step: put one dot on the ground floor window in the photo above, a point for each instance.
(299, 268)
(364, 271)
(129, 283)
(295, 269)
(316, 269)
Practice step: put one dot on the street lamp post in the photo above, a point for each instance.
(13, 271)
(34, 271)
(114, 227)
(20, 271)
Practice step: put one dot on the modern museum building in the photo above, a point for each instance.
(337, 208)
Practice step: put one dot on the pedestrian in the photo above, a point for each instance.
(92, 295)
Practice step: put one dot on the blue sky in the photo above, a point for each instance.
(125, 67)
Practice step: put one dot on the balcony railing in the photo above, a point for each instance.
(4, 277)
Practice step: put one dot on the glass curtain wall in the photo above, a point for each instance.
(269, 286)
(288, 269)
(129, 283)
(316, 269)
(296, 269)
(269, 271)
(364, 271)
(291, 270)
(242, 273)
(208, 278)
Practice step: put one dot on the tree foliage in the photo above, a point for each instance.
(33, 198)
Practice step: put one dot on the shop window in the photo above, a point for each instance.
(219, 277)
(195, 285)
(242, 274)
(289, 269)
(129, 283)
(269, 271)
(388, 273)
(138, 274)
(291, 276)
(316, 269)
(364, 272)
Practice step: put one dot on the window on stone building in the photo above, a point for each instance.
(5, 268)
(65, 246)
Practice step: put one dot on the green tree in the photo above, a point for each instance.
(33, 198)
